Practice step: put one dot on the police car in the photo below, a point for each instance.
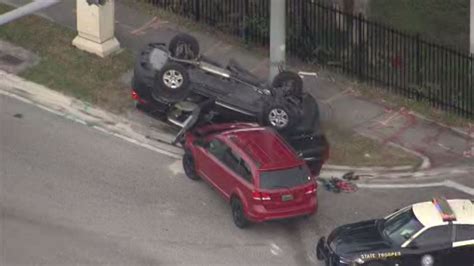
(437, 232)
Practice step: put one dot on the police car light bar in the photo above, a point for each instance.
(444, 209)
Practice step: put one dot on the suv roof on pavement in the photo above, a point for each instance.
(429, 214)
(265, 147)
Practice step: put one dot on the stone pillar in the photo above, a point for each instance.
(95, 25)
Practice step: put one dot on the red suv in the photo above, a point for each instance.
(254, 169)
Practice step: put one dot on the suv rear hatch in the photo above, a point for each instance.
(285, 188)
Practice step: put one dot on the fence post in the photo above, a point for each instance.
(245, 12)
(418, 59)
(197, 10)
(359, 46)
(470, 87)
(301, 26)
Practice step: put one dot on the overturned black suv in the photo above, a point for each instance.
(182, 85)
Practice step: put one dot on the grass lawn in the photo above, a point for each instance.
(67, 69)
(349, 148)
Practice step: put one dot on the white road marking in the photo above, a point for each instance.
(444, 146)
(447, 183)
(148, 146)
(395, 186)
(460, 187)
(6, 93)
(311, 259)
(275, 249)
(418, 174)
(176, 167)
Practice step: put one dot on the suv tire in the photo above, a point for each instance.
(290, 82)
(172, 83)
(184, 46)
(189, 165)
(238, 214)
(279, 114)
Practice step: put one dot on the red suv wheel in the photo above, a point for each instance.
(238, 214)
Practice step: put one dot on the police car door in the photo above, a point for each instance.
(428, 247)
(462, 252)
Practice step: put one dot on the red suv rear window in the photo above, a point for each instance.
(285, 178)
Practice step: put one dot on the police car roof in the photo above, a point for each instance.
(428, 214)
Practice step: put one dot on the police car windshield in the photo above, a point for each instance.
(400, 227)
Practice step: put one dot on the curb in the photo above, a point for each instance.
(331, 167)
(121, 127)
(426, 162)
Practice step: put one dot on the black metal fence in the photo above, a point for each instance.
(320, 34)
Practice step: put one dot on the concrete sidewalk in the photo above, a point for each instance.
(444, 146)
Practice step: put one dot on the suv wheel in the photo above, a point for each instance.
(279, 114)
(171, 83)
(189, 166)
(289, 82)
(184, 46)
(238, 214)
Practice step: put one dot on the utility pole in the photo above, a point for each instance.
(278, 36)
(472, 28)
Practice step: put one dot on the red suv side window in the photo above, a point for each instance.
(231, 159)
(238, 165)
(217, 148)
(244, 171)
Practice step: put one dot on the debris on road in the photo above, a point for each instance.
(338, 185)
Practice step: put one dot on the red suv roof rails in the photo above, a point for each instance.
(245, 148)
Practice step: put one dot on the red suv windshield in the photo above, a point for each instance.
(286, 178)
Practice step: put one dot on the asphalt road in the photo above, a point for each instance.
(73, 195)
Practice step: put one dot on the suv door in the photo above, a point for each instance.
(210, 156)
(241, 176)
(462, 253)
(226, 169)
(429, 248)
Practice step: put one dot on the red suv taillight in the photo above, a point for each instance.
(311, 189)
(261, 196)
(136, 97)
